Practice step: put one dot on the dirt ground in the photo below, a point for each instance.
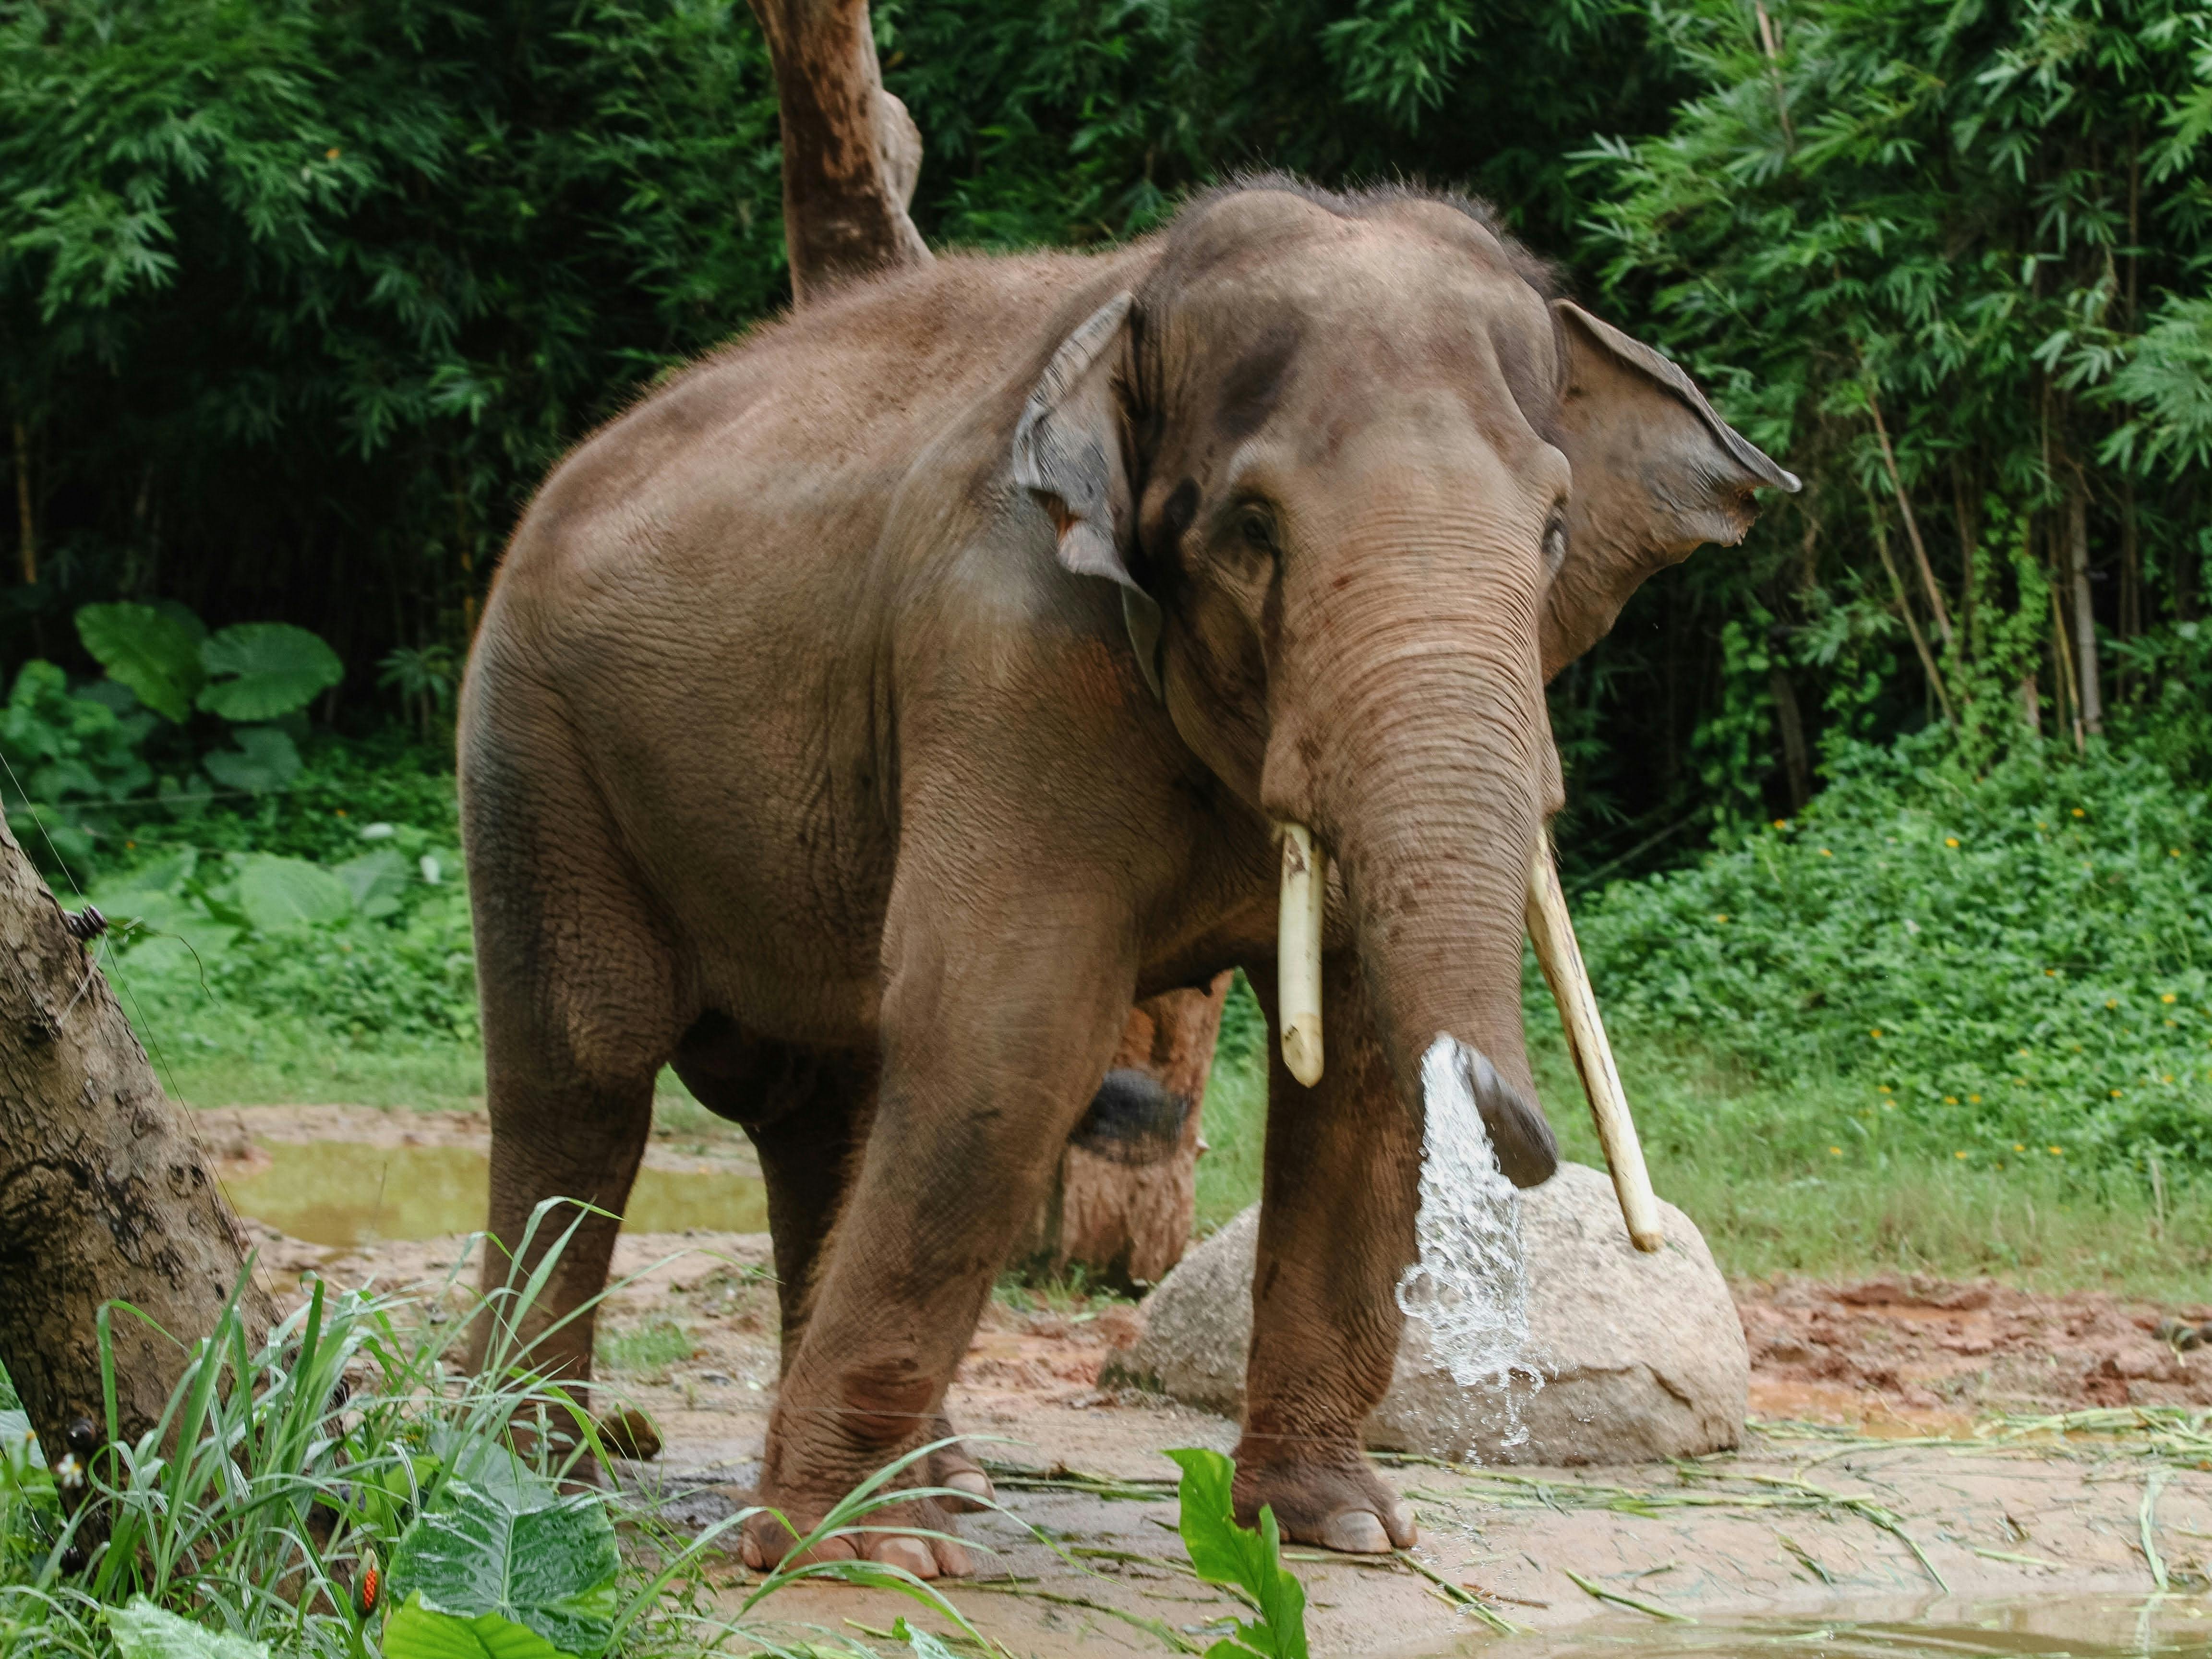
(1863, 1488)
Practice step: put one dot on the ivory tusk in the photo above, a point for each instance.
(1561, 959)
(1298, 952)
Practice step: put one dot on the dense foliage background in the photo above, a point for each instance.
(299, 299)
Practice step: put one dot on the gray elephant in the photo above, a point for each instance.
(862, 721)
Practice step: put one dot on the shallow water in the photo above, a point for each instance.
(344, 1194)
(2064, 1627)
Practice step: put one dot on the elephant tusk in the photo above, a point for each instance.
(1298, 952)
(1561, 959)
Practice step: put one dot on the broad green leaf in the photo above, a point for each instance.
(549, 1564)
(150, 651)
(1224, 1552)
(265, 759)
(416, 1632)
(144, 1630)
(376, 880)
(278, 894)
(257, 671)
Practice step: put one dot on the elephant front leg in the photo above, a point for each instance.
(1336, 1231)
(994, 1033)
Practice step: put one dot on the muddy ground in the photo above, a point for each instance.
(1876, 1479)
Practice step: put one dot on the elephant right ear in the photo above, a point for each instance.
(1067, 448)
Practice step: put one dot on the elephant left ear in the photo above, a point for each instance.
(1656, 473)
(1067, 455)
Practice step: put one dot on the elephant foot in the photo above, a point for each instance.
(1336, 1500)
(954, 1467)
(808, 1486)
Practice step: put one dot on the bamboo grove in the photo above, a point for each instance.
(298, 298)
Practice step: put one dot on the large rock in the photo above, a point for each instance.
(1642, 1356)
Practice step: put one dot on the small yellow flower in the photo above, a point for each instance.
(1875, 1032)
(2051, 973)
(2173, 852)
(332, 153)
(342, 812)
(2169, 1077)
(2043, 826)
(2116, 1094)
(2112, 1002)
(1885, 1088)
(1826, 854)
(2023, 1053)
(1950, 841)
(1950, 1100)
(2168, 997)
(1835, 1152)
(130, 843)
(2019, 1145)
(1720, 918)
(2056, 1151)
(2019, 1082)
(1957, 1155)
(2079, 813)
(1973, 1100)
(1782, 823)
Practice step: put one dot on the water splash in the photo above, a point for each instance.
(1469, 1286)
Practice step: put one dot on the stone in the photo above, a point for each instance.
(1642, 1356)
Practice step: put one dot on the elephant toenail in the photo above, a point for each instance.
(1400, 1522)
(1355, 1532)
(973, 1482)
(911, 1554)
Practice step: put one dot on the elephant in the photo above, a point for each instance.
(864, 718)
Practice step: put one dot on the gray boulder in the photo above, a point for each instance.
(1642, 1356)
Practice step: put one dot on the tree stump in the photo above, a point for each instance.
(852, 154)
(104, 1196)
(1125, 1192)
(1123, 1199)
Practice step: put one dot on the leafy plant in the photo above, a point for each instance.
(521, 1555)
(154, 650)
(258, 670)
(1240, 1558)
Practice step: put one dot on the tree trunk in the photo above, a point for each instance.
(2085, 618)
(1127, 1191)
(103, 1194)
(851, 153)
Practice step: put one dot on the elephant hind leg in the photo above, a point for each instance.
(807, 1111)
(578, 980)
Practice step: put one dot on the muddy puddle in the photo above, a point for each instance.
(2069, 1627)
(343, 1194)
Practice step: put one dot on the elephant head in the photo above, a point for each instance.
(1359, 477)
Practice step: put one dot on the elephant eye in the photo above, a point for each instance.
(1257, 528)
(1555, 545)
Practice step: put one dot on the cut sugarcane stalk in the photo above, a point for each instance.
(1298, 952)
(1561, 959)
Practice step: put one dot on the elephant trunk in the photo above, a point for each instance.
(1429, 775)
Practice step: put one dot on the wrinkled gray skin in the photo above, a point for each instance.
(808, 744)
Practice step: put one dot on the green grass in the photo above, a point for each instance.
(645, 1351)
(251, 1506)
